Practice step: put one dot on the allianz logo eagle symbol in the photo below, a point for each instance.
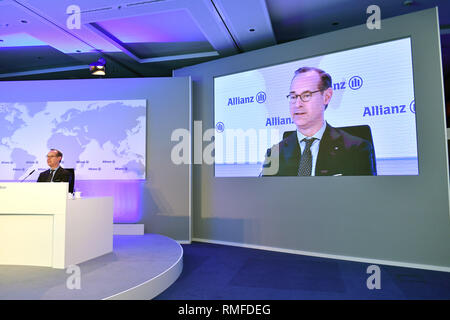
(260, 97)
(220, 127)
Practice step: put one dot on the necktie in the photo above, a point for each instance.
(50, 176)
(305, 167)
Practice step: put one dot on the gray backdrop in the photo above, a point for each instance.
(165, 195)
(398, 219)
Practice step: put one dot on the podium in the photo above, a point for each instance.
(40, 226)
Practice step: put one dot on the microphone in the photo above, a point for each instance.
(28, 175)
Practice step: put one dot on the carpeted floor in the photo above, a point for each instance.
(216, 272)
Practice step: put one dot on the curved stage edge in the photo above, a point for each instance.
(139, 268)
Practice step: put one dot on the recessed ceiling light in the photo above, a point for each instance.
(251, 30)
(78, 51)
(24, 21)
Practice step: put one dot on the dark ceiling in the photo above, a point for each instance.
(152, 38)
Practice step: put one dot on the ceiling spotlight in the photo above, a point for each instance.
(97, 68)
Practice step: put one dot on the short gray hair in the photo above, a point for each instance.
(325, 78)
(58, 153)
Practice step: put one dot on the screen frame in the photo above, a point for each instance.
(387, 216)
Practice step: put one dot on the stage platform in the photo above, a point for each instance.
(140, 267)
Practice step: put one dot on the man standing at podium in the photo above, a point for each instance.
(56, 173)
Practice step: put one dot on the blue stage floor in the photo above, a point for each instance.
(217, 272)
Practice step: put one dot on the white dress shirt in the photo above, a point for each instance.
(314, 147)
(54, 172)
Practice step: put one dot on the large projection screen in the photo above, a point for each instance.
(371, 86)
(94, 143)
(401, 220)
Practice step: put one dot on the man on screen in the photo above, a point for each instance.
(316, 148)
(56, 173)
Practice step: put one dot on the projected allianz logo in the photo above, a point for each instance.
(355, 83)
(260, 97)
(380, 110)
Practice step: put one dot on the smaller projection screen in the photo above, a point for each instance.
(371, 90)
(101, 140)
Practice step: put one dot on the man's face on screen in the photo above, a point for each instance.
(308, 116)
(52, 159)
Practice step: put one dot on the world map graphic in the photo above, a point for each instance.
(101, 140)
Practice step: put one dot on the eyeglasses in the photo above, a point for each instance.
(304, 96)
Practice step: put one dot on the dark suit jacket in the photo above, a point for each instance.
(339, 154)
(60, 175)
